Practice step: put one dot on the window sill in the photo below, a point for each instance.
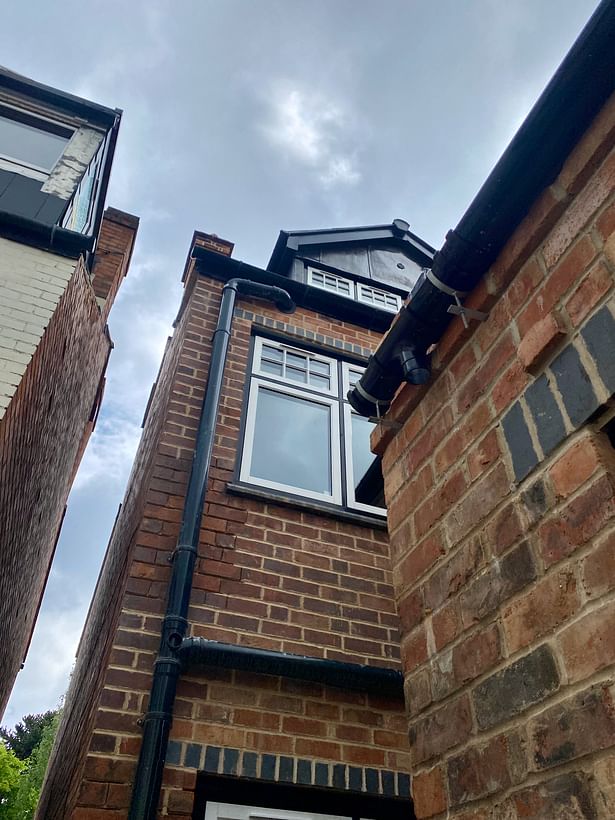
(311, 506)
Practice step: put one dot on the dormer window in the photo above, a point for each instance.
(332, 282)
(29, 144)
(376, 297)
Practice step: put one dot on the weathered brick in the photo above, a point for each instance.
(476, 654)
(509, 692)
(548, 604)
(567, 796)
(581, 519)
(428, 793)
(598, 568)
(573, 728)
(443, 729)
(540, 340)
(478, 771)
(588, 645)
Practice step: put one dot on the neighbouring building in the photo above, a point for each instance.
(293, 556)
(61, 263)
(287, 613)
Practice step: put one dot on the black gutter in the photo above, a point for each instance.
(578, 90)
(51, 237)
(167, 667)
(376, 680)
(304, 295)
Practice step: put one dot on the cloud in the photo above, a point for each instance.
(44, 678)
(314, 132)
(110, 452)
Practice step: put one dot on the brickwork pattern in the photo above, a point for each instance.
(40, 442)
(113, 254)
(32, 282)
(501, 492)
(268, 575)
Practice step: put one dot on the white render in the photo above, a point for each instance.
(31, 284)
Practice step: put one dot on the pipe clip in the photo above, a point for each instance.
(457, 309)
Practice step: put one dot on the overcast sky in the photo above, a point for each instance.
(243, 117)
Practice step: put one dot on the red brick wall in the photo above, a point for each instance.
(268, 575)
(113, 253)
(40, 438)
(501, 491)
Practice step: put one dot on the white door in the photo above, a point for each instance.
(228, 811)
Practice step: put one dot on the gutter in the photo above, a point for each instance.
(53, 237)
(563, 112)
(376, 680)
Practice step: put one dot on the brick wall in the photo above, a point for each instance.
(40, 438)
(113, 254)
(269, 575)
(32, 282)
(501, 491)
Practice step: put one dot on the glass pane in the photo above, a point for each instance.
(29, 145)
(292, 442)
(296, 361)
(367, 473)
(324, 368)
(274, 354)
(353, 377)
(274, 368)
(320, 382)
(296, 375)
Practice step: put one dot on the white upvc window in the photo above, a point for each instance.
(229, 811)
(301, 435)
(331, 281)
(30, 144)
(378, 298)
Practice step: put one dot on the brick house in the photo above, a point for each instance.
(491, 399)
(61, 262)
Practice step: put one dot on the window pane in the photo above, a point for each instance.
(320, 382)
(296, 375)
(29, 145)
(296, 361)
(367, 473)
(324, 368)
(274, 368)
(292, 442)
(274, 354)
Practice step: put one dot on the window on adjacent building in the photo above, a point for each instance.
(302, 437)
(31, 143)
(354, 290)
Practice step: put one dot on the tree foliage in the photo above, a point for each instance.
(24, 789)
(27, 734)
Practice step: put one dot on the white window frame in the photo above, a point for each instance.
(357, 291)
(361, 297)
(340, 424)
(335, 497)
(230, 811)
(351, 287)
(347, 369)
(9, 163)
(258, 371)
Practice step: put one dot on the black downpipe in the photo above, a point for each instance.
(377, 680)
(566, 108)
(167, 667)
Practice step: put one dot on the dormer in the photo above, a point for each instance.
(375, 265)
(55, 157)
